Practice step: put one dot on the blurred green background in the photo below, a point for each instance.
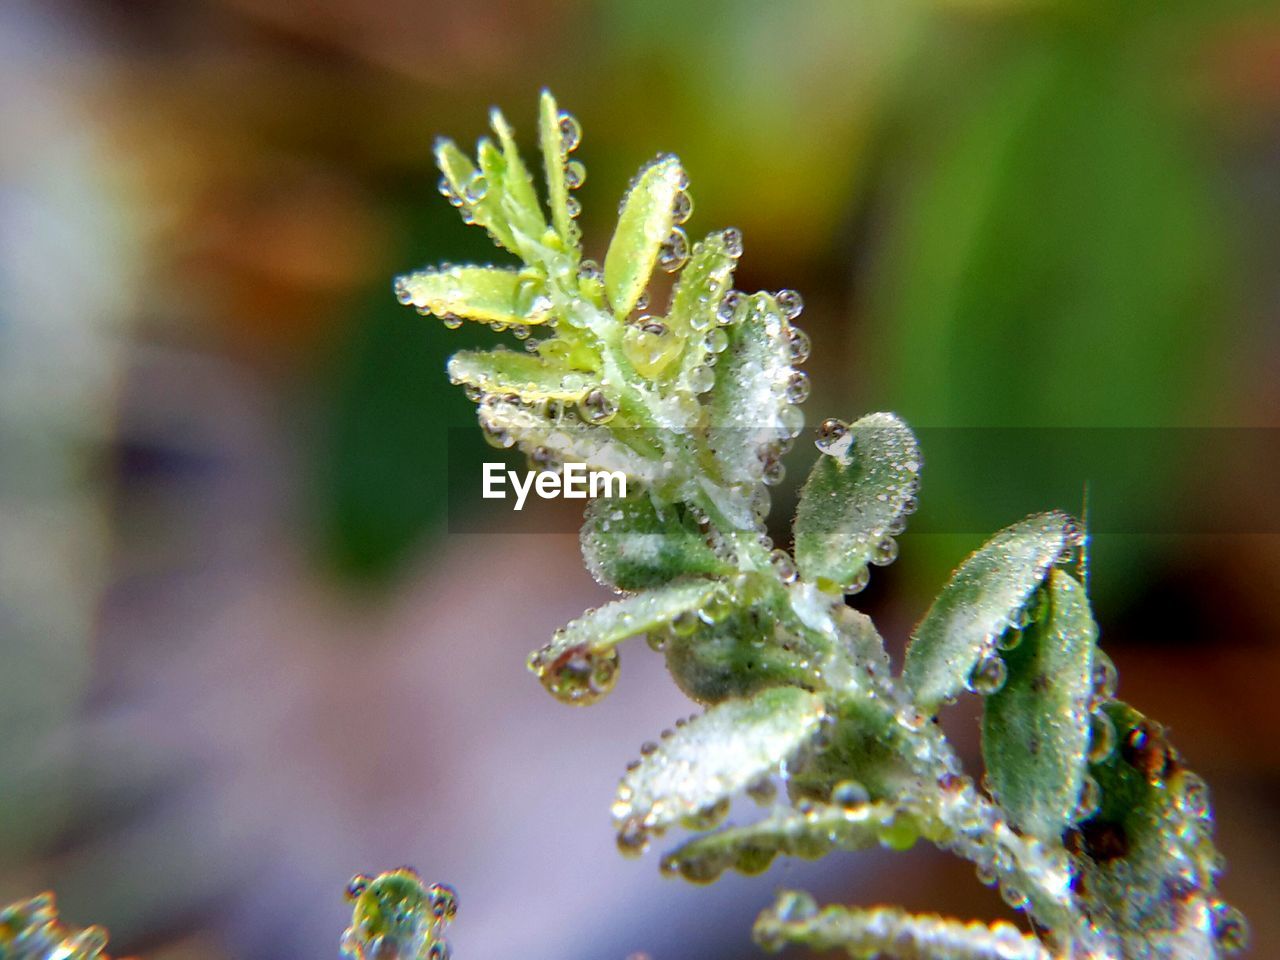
(245, 647)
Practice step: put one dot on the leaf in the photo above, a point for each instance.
(851, 506)
(821, 829)
(461, 175)
(487, 294)
(1152, 834)
(529, 377)
(607, 626)
(866, 933)
(983, 598)
(553, 159)
(644, 224)
(1035, 729)
(703, 283)
(627, 544)
(715, 755)
(568, 440)
(745, 407)
(519, 200)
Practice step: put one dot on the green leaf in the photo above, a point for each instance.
(821, 829)
(580, 663)
(851, 506)
(982, 600)
(530, 377)
(604, 447)
(553, 159)
(1035, 728)
(716, 754)
(462, 177)
(1152, 833)
(866, 933)
(518, 199)
(628, 544)
(746, 406)
(703, 283)
(644, 224)
(486, 294)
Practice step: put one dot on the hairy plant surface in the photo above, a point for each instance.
(1086, 818)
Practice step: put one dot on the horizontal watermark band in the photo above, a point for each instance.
(974, 480)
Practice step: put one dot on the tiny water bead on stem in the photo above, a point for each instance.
(1087, 821)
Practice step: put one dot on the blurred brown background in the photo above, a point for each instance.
(241, 654)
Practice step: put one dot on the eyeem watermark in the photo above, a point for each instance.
(574, 482)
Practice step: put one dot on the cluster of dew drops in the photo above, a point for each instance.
(31, 930)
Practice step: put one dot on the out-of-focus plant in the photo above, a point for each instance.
(1086, 818)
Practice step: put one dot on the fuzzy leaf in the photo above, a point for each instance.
(487, 294)
(983, 598)
(626, 544)
(518, 199)
(505, 371)
(852, 504)
(810, 835)
(645, 222)
(607, 626)
(1035, 729)
(717, 754)
(866, 933)
(553, 159)
(461, 173)
(745, 406)
(600, 446)
(1147, 856)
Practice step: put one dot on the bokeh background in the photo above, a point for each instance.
(257, 632)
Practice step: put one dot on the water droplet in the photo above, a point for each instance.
(798, 387)
(792, 303)
(1014, 896)
(701, 378)
(570, 132)
(589, 270)
(716, 607)
(573, 206)
(520, 331)
(451, 321)
(850, 795)
(648, 748)
(832, 436)
(575, 174)
(784, 566)
(1089, 801)
(987, 875)
(1194, 797)
(444, 902)
(1105, 678)
(716, 341)
(1102, 736)
(596, 407)
(885, 552)
(1230, 928)
(685, 623)
(732, 237)
(642, 301)
(476, 189)
(681, 207)
(674, 252)
(357, 885)
(633, 839)
(800, 345)
(795, 906)
(1144, 749)
(497, 437)
(859, 581)
(774, 473)
(581, 675)
(1010, 639)
(988, 675)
